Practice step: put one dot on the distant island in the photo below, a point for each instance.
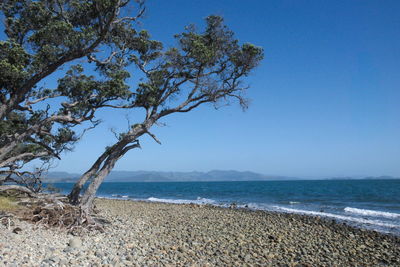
(194, 176)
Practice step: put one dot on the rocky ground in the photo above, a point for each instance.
(156, 234)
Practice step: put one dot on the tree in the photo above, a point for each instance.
(43, 38)
(206, 67)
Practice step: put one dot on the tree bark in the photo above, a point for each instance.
(122, 147)
(76, 190)
(103, 166)
(90, 193)
(7, 149)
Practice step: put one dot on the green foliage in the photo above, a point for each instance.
(13, 59)
(212, 61)
(42, 36)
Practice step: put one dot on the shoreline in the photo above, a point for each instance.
(139, 233)
(317, 215)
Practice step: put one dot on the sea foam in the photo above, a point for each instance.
(199, 200)
(374, 213)
(339, 217)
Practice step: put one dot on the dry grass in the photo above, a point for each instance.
(7, 204)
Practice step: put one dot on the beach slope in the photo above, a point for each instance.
(158, 234)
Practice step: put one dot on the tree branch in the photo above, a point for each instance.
(141, 12)
(153, 136)
(23, 156)
(17, 188)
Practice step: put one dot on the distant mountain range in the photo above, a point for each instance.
(215, 175)
(383, 177)
(156, 176)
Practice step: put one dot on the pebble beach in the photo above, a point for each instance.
(159, 234)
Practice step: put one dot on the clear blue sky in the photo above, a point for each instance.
(325, 101)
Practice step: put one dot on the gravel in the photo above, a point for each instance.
(157, 234)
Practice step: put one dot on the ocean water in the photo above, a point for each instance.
(371, 204)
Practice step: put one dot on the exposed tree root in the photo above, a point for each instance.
(61, 215)
(52, 210)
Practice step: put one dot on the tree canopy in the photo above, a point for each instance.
(204, 67)
(43, 38)
(92, 46)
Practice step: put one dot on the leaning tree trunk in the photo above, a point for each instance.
(90, 193)
(103, 166)
(76, 190)
(86, 203)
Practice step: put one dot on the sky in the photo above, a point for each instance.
(325, 100)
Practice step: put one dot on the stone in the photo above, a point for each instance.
(99, 254)
(75, 242)
(17, 230)
(68, 250)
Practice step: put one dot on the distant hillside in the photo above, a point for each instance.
(215, 175)
(384, 177)
(154, 176)
(61, 177)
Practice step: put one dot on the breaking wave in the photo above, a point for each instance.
(199, 200)
(339, 217)
(373, 213)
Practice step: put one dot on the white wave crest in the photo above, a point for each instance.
(339, 217)
(118, 196)
(254, 206)
(374, 213)
(199, 200)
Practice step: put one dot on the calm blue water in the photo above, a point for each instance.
(372, 204)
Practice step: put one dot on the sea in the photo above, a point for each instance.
(368, 204)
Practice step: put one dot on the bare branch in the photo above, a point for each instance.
(106, 61)
(17, 188)
(154, 137)
(119, 106)
(23, 156)
(49, 149)
(32, 102)
(141, 12)
(127, 148)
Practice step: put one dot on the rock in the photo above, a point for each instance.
(17, 230)
(75, 242)
(99, 254)
(63, 262)
(68, 250)
(153, 234)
